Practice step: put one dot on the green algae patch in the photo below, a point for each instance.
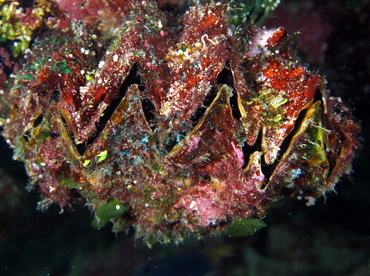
(62, 67)
(244, 227)
(65, 181)
(108, 211)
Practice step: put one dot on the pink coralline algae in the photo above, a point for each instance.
(180, 126)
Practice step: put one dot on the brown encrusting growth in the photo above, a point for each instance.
(186, 128)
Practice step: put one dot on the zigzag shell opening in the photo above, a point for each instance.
(177, 131)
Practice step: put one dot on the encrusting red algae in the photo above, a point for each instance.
(185, 128)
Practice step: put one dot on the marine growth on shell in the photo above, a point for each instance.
(174, 124)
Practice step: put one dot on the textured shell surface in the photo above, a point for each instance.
(176, 128)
